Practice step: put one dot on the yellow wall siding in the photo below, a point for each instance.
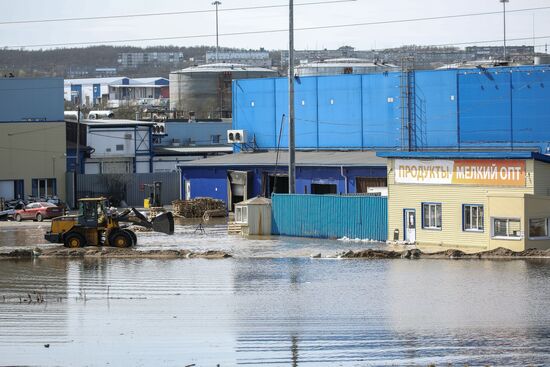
(31, 150)
(451, 197)
(506, 205)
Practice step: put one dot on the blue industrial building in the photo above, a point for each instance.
(31, 99)
(504, 108)
(495, 108)
(237, 177)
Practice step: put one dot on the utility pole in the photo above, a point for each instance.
(77, 161)
(217, 3)
(504, 18)
(291, 128)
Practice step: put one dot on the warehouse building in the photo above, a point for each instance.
(481, 108)
(237, 177)
(119, 146)
(475, 200)
(115, 92)
(32, 138)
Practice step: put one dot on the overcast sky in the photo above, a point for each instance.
(488, 27)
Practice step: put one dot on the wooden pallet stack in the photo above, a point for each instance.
(196, 208)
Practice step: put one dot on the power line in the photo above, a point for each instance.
(30, 21)
(35, 130)
(335, 26)
(31, 150)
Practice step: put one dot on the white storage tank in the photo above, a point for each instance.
(343, 66)
(205, 90)
(254, 216)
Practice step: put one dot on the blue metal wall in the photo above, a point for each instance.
(497, 107)
(330, 216)
(212, 181)
(39, 99)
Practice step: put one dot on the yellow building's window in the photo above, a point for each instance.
(472, 218)
(507, 228)
(431, 215)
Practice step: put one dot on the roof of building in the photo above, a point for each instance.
(304, 159)
(467, 155)
(116, 123)
(193, 150)
(116, 81)
(343, 62)
(142, 83)
(258, 200)
(222, 67)
(93, 80)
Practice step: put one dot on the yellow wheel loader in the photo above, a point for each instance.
(96, 225)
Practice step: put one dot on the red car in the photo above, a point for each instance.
(38, 211)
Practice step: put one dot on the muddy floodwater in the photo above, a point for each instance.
(271, 304)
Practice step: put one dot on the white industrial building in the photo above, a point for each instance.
(119, 146)
(117, 91)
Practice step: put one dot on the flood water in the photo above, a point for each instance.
(279, 310)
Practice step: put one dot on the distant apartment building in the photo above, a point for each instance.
(487, 52)
(90, 72)
(132, 60)
(251, 58)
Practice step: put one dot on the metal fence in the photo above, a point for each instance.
(330, 216)
(127, 187)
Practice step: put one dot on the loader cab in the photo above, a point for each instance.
(92, 213)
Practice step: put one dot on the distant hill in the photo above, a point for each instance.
(71, 62)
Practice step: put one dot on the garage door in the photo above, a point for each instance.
(7, 190)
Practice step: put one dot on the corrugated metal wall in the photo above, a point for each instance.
(128, 186)
(330, 216)
(495, 107)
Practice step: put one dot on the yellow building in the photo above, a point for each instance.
(32, 159)
(474, 200)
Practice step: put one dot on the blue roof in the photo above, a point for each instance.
(467, 155)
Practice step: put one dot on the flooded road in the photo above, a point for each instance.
(280, 312)
(187, 236)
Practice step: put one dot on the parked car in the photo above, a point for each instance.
(38, 211)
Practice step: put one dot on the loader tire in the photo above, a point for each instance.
(133, 235)
(121, 239)
(74, 240)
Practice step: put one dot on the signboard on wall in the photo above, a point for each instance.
(483, 172)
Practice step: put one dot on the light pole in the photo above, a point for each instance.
(291, 136)
(217, 3)
(504, 18)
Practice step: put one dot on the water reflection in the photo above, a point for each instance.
(282, 312)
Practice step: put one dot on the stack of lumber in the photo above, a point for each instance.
(154, 211)
(196, 208)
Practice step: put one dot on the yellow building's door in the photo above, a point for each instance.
(410, 225)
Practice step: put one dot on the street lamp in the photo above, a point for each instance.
(504, 18)
(217, 3)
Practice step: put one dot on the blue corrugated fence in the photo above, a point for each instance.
(330, 216)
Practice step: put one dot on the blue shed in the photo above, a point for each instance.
(237, 177)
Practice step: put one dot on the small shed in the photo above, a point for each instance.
(254, 216)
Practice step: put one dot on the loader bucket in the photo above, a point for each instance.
(164, 223)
